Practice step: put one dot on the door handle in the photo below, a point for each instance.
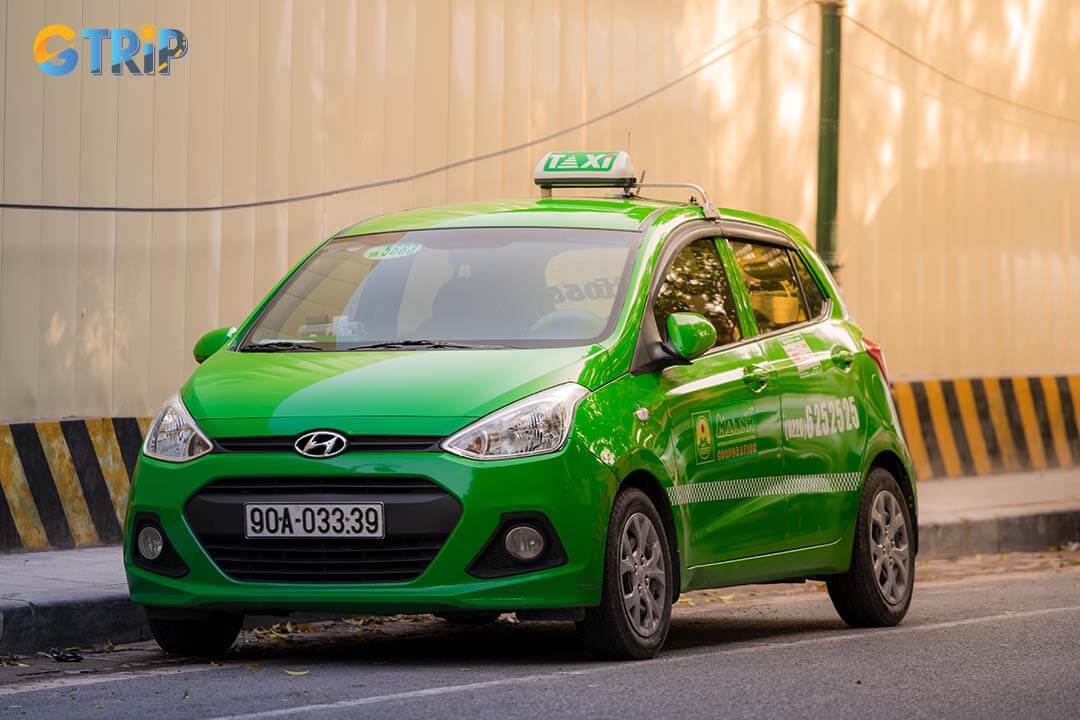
(843, 358)
(756, 377)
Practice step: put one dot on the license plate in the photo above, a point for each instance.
(317, 520)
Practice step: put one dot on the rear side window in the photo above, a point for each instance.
(775, 292)
(696, 282)
(815, 300)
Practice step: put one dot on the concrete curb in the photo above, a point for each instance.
(999, 534)
(91, 617)
(78, 618)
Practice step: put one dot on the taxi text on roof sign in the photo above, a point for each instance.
(585, 169)
(571, 162)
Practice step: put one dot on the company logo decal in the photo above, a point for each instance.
(703, 437)
(724, 434)
(148, 51)
(321, 444)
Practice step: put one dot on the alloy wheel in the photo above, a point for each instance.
(642, 575)
(889, 548)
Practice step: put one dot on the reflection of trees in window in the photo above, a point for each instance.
(695, 282)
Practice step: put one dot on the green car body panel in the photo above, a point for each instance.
(742, 503)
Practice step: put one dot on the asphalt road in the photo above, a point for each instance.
(986, 637)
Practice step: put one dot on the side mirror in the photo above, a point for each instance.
(689, 334)
(211, 342)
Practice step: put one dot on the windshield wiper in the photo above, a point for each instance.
(281, 346)
(430, 344)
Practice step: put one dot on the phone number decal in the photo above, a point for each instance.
(822, 419)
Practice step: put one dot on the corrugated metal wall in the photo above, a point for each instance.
(955, 223)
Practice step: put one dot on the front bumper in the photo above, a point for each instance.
(572, 488)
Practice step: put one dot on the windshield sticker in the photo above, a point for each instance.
(801, 355)
(387, 252)
(823, 419)
(703, 437)
(600, 288)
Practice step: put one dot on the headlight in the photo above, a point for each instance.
(174, 436)
(536, 425)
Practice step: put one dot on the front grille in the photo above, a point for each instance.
(325, 561)
(356, 443)
(419, 517)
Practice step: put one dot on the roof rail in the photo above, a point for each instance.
(706, 204)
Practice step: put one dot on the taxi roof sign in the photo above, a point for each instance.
(585, 169)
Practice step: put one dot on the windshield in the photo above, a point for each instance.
(486, 287)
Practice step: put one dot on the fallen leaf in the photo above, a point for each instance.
(297, 673)
(99, 706)
(726, 598)
(254, 667)
(186, 695)
(978, 557)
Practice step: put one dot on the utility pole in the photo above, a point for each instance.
(828, 131)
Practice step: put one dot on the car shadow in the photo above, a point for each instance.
(438, 644)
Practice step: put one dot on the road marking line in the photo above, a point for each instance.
(523, 679)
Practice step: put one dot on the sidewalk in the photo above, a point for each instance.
(79, 597)
(999, 513)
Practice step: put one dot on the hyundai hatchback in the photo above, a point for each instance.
(568, 408)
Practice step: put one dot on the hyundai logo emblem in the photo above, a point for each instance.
(321, 444)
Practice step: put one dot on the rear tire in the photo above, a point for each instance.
(634, 615)
(876, 590)
(207, 637)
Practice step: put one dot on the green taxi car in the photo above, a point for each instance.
(568, 408)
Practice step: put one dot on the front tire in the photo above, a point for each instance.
(207, 637)
(876, 590)
(634, 615)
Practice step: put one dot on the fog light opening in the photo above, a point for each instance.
(150, 542)
(524, 543)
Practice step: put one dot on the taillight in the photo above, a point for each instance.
(874, 350)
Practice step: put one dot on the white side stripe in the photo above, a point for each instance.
(739, 488)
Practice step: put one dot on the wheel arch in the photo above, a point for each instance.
(648, 483)
(888, 460)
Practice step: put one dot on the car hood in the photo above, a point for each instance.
(383, 392)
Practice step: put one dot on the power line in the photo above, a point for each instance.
(956, 80)
(751, 32)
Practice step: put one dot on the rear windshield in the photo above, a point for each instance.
(504, 287)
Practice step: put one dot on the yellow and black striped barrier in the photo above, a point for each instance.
(65, 483)
(957, 428)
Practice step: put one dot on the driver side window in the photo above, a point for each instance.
(696, 282)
